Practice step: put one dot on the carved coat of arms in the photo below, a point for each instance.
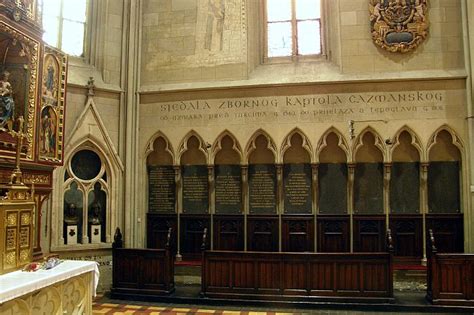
(398, 25)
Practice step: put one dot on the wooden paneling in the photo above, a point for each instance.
(297, 276)
(450, 277)
(262, 233)
(192, 228)
(142, 272)
(448, 232)
(407, 232)
(369, 233)
(298, 234)
(228, 232)
(157, 231)
(333, 234)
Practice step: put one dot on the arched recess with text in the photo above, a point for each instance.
(194, 214)
(228, 221)
(444, 215)
(262, 220)
(162, 193)
(332, 193)
(368, 197)
(405, 219)
(297, 192)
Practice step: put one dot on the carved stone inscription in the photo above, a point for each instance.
(339, 107)
(262, 188)
(161, 189)
(195, 189)
(297, 188)
(228, 189)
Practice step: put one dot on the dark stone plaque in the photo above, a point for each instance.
(405, 188)
(262, 188)
(368, 188)
(228, 189)
(444, 187)
(332, 188)
(161, 189)
(195, 189)
(297, 188)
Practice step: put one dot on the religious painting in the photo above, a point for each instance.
(48, 132)
(398, 25)
(18, 89)
(53, 82)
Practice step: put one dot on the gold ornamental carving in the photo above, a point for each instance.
(399, 25)
(10, 259)
(30, 48)
(25, 218)
(11, 219)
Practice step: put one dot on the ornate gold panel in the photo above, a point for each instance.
(53, 88)
(10, 243)
(24, 236)
(25, 256)
(10, 260)
(25, 218)
(30, 51)
(11, 218)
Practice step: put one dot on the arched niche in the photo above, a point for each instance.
(161, 177)
(297, 175)
(405, 174)
(444, 173)
(368, 174)
(227, 176)
(332, 174)
(262, 176)
(194, 175)
(161, 152)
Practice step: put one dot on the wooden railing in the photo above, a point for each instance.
(142, 272)
(359, 277)
(450, 277)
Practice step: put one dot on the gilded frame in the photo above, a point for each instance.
(33, 53)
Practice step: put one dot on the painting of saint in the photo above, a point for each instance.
(214, 39)
(50, 81)
(48, 132)
(7, 105)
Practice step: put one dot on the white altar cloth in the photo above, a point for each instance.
(18, 283)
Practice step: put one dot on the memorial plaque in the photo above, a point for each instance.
(368, 188)
(262, 188)
(297, 188)
(228, 189)
(161, 189)
(405, 188)
(444, 187)
(195, 189)
(332, 188)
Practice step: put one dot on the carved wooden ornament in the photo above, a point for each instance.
(398, 25)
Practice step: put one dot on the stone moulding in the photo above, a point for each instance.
(398, 25)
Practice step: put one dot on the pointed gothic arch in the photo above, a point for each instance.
(378, 143)
(183, 146)
(306, 144)
(252, 146)
(217, 145)
(342, 143)
(150, 146)
(415, 142)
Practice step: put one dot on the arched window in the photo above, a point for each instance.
(293, 28)
(64, 23)
(86, 199)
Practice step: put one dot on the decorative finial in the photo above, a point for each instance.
(90, 87)
(17, 177)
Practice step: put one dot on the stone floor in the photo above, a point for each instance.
(409, 292)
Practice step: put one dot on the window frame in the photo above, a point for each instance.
(86, 35)
(294, 57)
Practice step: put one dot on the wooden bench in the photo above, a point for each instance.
(142, 272)
(351, 277)
(450, 277)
